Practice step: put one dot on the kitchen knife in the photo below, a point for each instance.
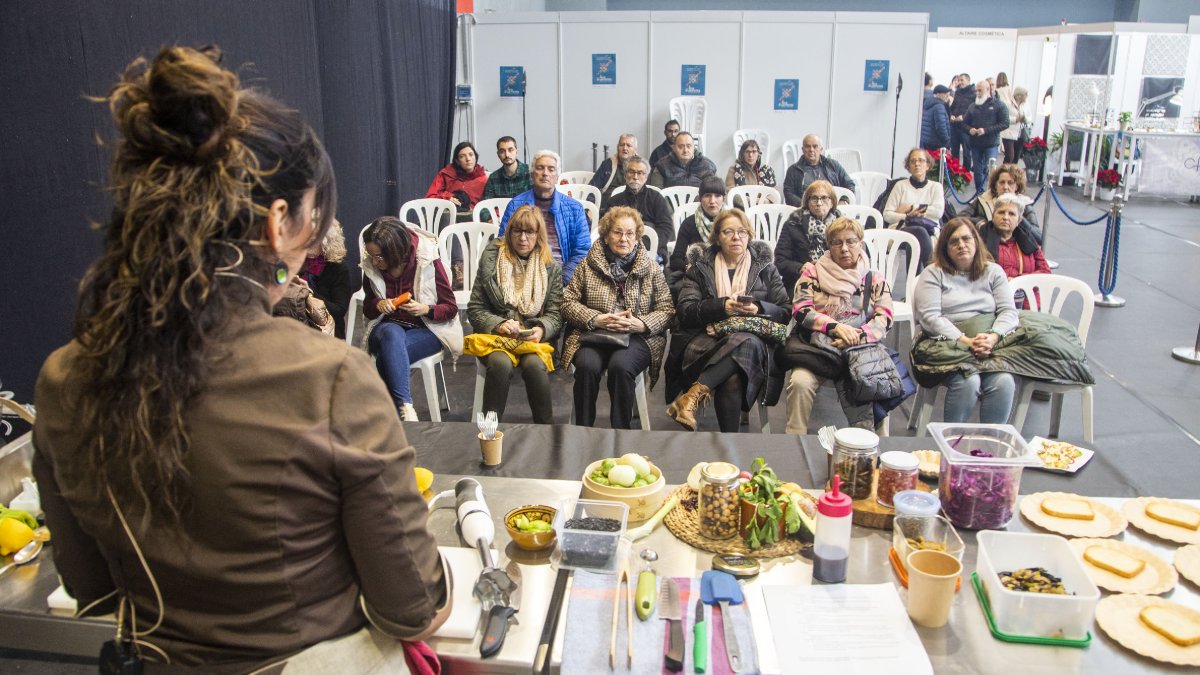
(700, 639)
(670, 611)
(500, 615)
(721, 588)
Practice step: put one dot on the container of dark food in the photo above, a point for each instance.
(589, 534)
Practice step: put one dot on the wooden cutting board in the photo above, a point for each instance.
(870, 513)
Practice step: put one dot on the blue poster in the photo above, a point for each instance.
(512, 81)
(692, 80)
(787, 94)
(604, 69)
(876, 76)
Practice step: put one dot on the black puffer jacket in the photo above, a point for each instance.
(992, 117)
(671, 172)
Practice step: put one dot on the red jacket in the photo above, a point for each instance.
(450, 179)
(1015, 263)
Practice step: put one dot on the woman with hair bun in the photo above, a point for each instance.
(238, 485)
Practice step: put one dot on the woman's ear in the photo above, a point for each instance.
(277, 215)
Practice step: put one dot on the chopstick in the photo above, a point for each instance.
(622, 576)
(541, 661)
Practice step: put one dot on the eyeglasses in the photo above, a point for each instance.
(377, 257)
(518, 233)
(634, 172)
(626, 234)
(820, 198)
(735, 234)
(956, 241)
(848, 243)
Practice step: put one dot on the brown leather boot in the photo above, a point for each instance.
(684, 408)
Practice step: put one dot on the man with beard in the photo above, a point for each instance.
(652, 206)
(665, 148)
(513, 177)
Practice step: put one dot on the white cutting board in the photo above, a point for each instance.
(465, 567)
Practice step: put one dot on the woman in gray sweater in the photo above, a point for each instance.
(960, 284)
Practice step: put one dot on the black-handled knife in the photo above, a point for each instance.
(495, 627)
(670, 611)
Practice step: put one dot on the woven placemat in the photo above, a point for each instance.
(685, 525)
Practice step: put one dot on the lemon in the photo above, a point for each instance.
(13, 535)
(424, 478)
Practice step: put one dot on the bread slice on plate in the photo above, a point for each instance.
(1180, 629)
(1114, 561)
(1062, 507)
(1173, 515)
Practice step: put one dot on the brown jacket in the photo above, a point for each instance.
(303, 503)
(592, 292)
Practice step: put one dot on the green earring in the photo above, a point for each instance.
(281, 272)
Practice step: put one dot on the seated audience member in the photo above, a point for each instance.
(250, 480)
(618, 309)
(518, 287)
(962, 284)
(830, 315)
(610, 175)
(461, 181)
(985, 119)
(802, 235)
(812, 166)
(664, 149)
(513, 177)
(732, 313)
(650, 204)
(397, 262)
(695, 229)
(1005, 179)
(1013, 249)
(320, 294)
(567, 229)
(750, 168)
(916, 205)
(684, 166)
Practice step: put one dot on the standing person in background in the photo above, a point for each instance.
(1014, 99)
(960, 139)
(567, 231)
(749, 167)
(684, 166)
(664, 149)
(650, 204)
(513, 177)
(812, 166)
(610, 175)
(985, 119)
(935, 119)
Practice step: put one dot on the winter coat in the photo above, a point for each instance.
(964, 97)
(609, 176)
(592, 292)
(802, 174)
(992, 117)
(981, 208)
(1016, 113)
(935, 123)
(795, 247)
(740, 174)
(487, 308)
(450, 180)
(570, 225)
(655, 212)
(671, 172)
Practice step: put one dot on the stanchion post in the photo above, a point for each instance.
(1188, 354)
(1047, 179)
(1108, 259)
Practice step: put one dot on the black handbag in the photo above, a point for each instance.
(599, 337)
(797, 353)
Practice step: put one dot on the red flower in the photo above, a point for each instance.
(1037, 143)
(1108, 178)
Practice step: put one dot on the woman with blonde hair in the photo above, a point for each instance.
(802, 235)
(323, 284)
(514, 311)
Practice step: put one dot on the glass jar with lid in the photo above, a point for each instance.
(854, 454)
(897, 472)
(718, 500)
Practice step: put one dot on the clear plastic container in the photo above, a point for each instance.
(718, 500)
(980, 472)
(897, 473)
(934, 531)
(587, 549)
(1036, 614)
(854, 454)
(916, 503)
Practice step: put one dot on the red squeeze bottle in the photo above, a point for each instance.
(831, 544)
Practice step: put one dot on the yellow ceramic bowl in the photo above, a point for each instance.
(643, 501)
(531, 541)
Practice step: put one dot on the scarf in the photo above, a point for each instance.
(816, 232)
(619, 266)
(726, 287)
(312, 268)
(836, 286)
(703, 225)
(522, 281)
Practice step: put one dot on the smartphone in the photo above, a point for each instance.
(525, 332)
(922, 207)
(746, 299)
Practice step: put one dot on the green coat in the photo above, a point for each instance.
(487, 308)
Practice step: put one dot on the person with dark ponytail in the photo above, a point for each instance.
(237, 487)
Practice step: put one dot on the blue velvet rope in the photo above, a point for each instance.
(950, 184)
(1054, 193)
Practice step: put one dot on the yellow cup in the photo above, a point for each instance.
(932, 576)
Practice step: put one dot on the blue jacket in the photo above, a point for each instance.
(935, 123)
(570, 224)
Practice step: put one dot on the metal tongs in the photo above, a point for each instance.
(622, 577)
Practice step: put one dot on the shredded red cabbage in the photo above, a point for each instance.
(979, 497)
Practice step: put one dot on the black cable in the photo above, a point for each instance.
(524, 129)
(896, 120)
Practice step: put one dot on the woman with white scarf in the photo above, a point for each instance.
(514, 311)
(731, 277)
(829, 313)
(696, 228)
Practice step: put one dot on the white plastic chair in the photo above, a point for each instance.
(862, 214)
(792, 151)
(849, 158)
(692, 113)
(580, 191)
(650, 241)
(883, 250)
(618, 190)
(761, 136)
(681, 214)
(752, 195)
(494, 207)
(593, 216)
(1049, 293)
(576, 176)
(845, 193)
(429, 213)
(472, 237)
(639, 394)
(768, 219)
(681, 194)
(868, 185)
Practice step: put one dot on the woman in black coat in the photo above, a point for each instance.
(327, 275)
(802, 235)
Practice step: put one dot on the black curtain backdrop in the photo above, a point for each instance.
(375, 78)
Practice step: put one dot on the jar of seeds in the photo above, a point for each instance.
(854, 454)
(718, 502)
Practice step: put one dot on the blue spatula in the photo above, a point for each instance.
(721, 588)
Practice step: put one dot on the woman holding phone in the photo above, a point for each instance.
(916, 205)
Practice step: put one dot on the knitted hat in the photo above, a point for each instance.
(941, 89)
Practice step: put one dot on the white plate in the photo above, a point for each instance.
(1037, 444)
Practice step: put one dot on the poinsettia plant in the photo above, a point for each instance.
(1037, 146)
(958, 175)
(1108, 178)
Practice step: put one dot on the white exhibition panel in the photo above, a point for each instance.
(744, 53)
(979, 58)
